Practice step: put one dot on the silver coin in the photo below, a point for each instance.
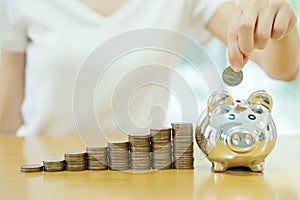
(32, 168)
(54, 161)
(54, 165)
(140, 148)
(118, 155)
(232, 78)
(183, 157)
(161, 148)
(75, 154)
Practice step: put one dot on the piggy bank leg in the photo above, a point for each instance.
(219, 166)
(257, 165)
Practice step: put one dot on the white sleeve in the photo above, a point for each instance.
(203, 10)
(13, 36)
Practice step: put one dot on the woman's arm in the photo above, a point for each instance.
(12, 71)
(263, 31)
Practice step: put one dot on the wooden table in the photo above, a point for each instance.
(280, 179)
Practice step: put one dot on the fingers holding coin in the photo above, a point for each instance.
(254, 24)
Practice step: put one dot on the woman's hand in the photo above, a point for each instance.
(254, 24)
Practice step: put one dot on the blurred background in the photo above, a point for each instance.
(286, 95)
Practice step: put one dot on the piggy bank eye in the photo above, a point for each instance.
(222, 110)
(231, 117)
(252, 117)
(258, 110)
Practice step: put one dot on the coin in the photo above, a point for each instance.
(118, 155)
(158, 150)
(232, 78)
(75, 161)
(54, 165)
(183, 150)
(161, 148)
(32, 168)
(97, 158)
(140, 148)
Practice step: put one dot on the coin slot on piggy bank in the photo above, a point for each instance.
(238, 133)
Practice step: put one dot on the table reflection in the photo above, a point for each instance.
(240, 184)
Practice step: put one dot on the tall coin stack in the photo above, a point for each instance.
(140, 152)
(97, 157)
(118, 155)
(183, 145)
(161, 148)
(75, 161)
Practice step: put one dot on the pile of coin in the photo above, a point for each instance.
(75, 161)
(118, 155)
(183, 148)
(54, 165)
(97, 157)
(161, 148)
(32, 168)
(140, 152)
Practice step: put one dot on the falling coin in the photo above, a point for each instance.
(232, 78)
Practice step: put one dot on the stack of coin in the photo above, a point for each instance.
(75, 161)
(118, 155)
(32, 168)
(140, 152)
(161, 148)
(54, 165)
(97, 157)
(183, 149)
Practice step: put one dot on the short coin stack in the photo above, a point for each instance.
(140, 152)
(118, 155)
(54, 165)
(183, 145)
(161, 148)
(97, 157)
(75, 161)
(32, 168)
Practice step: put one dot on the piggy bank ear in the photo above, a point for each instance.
(219, 98)
(261, 98)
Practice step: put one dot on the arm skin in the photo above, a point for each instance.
(12, 71)
(273, 45)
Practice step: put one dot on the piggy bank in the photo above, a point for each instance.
(237, 133)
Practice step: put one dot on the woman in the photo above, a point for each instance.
(43, 44)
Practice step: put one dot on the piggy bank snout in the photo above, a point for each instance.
(241, 140)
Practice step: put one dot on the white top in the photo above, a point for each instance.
(58, 35)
